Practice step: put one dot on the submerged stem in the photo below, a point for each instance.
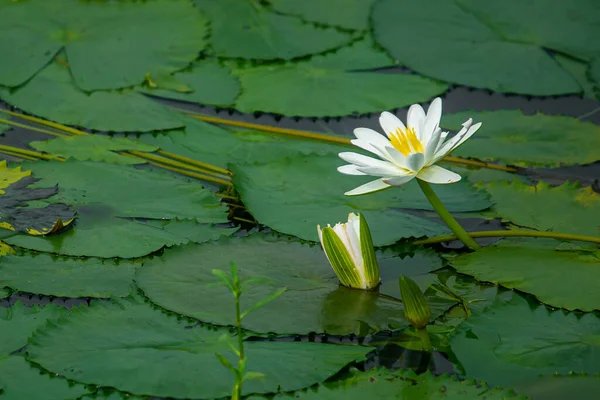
(237, 390)
(515, 233)
(446, 216)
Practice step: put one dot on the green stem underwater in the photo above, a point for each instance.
(445, 215)
(516, 233)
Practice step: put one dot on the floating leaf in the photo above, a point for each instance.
(109, 45)
(18, 380)
(109, 199)
(16, 214)
(538, 140)
(564, 279)
(349, 15)
(4, 293)
(401, 384)
(217, 146)
(63, 277)
(286, 196)
(94, 147)
(182, 281)
(132, 347)
(51, 94)
(568, 208)
(579, 71)
(512, 342)
(209, 83)
(594, 71)
(359, 55)
(305, 91)
(18, 322)
(560, 387)
(488, 44)
(254, 32)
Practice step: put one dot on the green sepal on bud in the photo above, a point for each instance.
(416, 308)
(349, 249)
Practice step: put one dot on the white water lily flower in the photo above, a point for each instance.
(349, 249)
(407, 152)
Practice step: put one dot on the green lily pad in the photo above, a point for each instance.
(51, 94)
(286, 196)
(488, 347)
(568, 208)
(217, 146)
(538, 140)
(559, 387)
(208, 82)
(181, 281)
(132, 347)
(108, 45)
(579, 70)
(94, 147)
(401, 384)
(359, 55)
(109, 199)
(348, 15)
(559, 278)
(18, 322)
(18, 380)
(74, 277)
(255, 32)
(487, 44)
(4, 293)
(594, 71)
(305, 91)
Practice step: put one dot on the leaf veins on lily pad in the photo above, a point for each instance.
(15, 214)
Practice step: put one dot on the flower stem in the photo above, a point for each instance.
(446, 216)
(424, 336)
(516, 233)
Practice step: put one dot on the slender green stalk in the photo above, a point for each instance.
(237, 390)
(446, 216)
(424, 336)
(515, 233)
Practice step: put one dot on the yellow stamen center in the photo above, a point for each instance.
(406, 142)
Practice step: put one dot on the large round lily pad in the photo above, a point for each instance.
(181, 280)
(135, 348)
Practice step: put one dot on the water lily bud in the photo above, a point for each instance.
(416, 308)
(349, 249)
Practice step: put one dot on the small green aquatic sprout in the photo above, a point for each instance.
(349, 249)
(237, 287)
(416, 309)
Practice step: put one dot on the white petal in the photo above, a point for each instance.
(466, 136)
(432, 145)
(389, 123)
(465, 133)
(436, 174)
(353, 232)
(369, 135)
(368, 147)
(382, 170)
(434, 114)
(360, 160)
(441, 143)
(373, 186)
(415, 161)
(350, 169)
(399, 180)
(396, 157)
(416, 118)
